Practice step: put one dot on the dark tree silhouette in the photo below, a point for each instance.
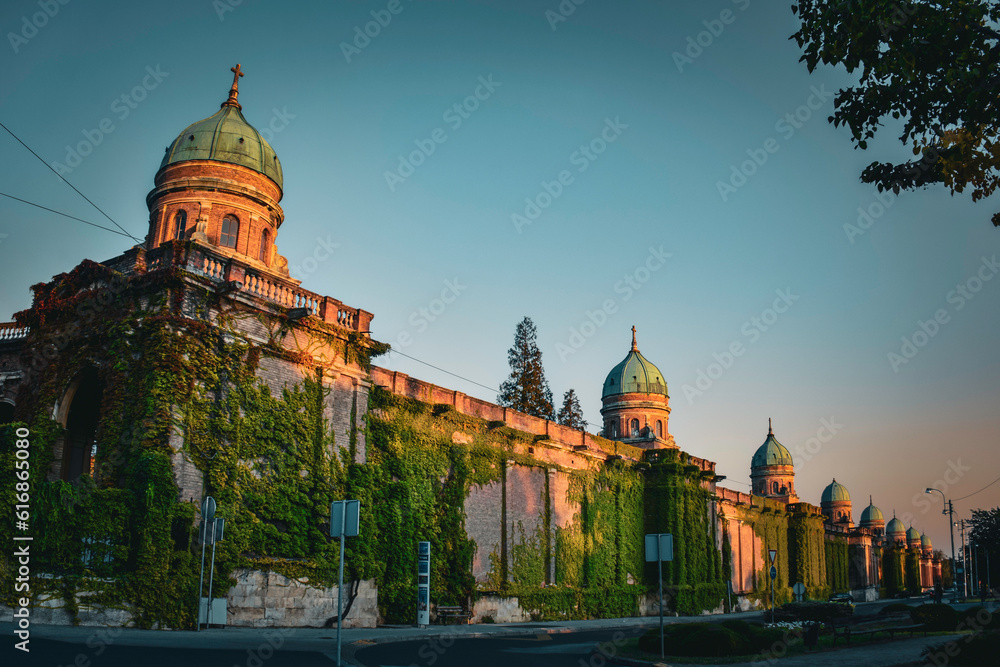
(571, 414)
(933, 65)
(526, 389)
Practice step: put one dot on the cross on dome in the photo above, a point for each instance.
(634, 345)
(234, 92)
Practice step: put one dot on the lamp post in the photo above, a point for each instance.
(949, 509)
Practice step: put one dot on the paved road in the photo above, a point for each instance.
(49, 653)
(533, 650)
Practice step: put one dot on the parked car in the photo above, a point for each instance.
(842, 597)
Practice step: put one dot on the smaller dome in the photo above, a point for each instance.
(925, 541)
(835, 492)
(771, 453)
(895, 527)
(913, 534)
(872, 514)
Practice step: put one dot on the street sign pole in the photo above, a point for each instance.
(773, 553)
(659, 548)
(211, 575)
(344, 522)
(340, 579)
(207, 514)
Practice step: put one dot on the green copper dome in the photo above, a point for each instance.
(913, 534)
(226, 136)
(634, 374)
(835, 492)
(895, 527)
(926, 541)
(771, 453)
(871, 514)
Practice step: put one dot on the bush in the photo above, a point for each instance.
(936, 617)
(728, 638)
(821, 612)
(976, 618)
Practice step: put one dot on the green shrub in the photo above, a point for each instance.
(822, 612)
(976, 618)
(936, 617)
(757, 636)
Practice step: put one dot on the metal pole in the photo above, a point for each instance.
(340, 578)
(965, 569)
(975, 562)
(659, 566)
(951, 526)
(201, 579)
(772, 597)
(211, 575)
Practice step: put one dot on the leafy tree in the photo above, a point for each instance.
(571, 413)
(526, 389)
(986, 536)
(934, 65)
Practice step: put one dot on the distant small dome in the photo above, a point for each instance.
(913, 534)
(635, 374)
(895, 527)
(835, 492)
(771, 453)
(925, 541)
(871, 514)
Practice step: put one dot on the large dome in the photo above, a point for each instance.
(771, 453)
(835, 492)
(225, 136)
(635, 374)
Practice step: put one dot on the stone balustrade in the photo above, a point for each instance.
(10, 331)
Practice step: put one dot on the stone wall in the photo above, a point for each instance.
(268, 599)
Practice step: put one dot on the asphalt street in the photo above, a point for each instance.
(541, 649)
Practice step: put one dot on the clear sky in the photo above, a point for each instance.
(619, 123)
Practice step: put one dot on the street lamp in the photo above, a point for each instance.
(949, 508)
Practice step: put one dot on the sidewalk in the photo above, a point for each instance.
(319, 639)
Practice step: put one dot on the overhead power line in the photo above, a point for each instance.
(478, 384)
(68, 183)
(66, 215)
(979, 491)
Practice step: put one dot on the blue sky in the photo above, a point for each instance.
(341, 117)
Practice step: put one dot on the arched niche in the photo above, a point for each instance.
(79, 411)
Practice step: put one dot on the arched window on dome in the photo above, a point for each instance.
(659, 429)
(265, 244)
(180, 224)
(634, 428)
(612, 429)
(230, 232)
(774, 488)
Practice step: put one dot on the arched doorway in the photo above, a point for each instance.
(84, 414)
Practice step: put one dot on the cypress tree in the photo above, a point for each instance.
(571, 414)
(526, 390)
